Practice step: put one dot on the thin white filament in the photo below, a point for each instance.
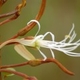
(52, 35)
(52, 53)
(37, 24)
(44, 56)
(63, 46)
(64, 40)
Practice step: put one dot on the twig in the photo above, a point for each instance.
(8, 14)
(8, 20)
(37, 62)
(0, 63)
(2, 2)
(31, 25)
(16, 13)
(16, 73)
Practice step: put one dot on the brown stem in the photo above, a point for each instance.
(8, 20)
(2, 2)
(31, 25)
(25, 77)
(59, 65)
(14, 65)
(15, 13)
(40, 61)
(8, 14)
(0, 64)
(15, 72)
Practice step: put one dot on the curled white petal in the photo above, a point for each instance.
(37, 24)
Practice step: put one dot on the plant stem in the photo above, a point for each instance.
(0, 65)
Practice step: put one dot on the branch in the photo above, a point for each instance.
(8, 14)
(0, 65)
(2, 2)
(15, 13)
(31, 25)
(37, 62)
(18, 73)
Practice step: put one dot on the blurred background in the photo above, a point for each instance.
(58, 17)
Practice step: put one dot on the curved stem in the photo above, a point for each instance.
(8, 20)
(8, 14)
(15, 13)
(59, 65)
(0, 65)
(31, 25)
(2, 2)
(37, 62)
(14, 65)
(15, 72)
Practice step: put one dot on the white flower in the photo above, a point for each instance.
(66, 45)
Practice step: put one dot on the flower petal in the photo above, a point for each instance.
(23, 52)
